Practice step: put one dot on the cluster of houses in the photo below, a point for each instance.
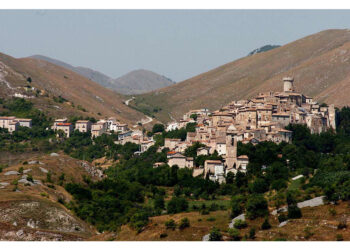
(12, 123)
(259, 119)
(110, 125)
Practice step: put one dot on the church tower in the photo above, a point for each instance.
(288, 84)
(231, 147)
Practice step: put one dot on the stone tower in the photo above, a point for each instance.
(288, 84)
(231, 147)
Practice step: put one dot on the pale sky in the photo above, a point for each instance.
(176, 43)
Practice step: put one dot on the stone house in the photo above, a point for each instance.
(83, 126)
(66, 127)
(13, 126)
(24, 122)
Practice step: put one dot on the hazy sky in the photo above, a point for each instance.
(176, 43)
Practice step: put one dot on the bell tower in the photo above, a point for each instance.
(231, 148)
(288, 84)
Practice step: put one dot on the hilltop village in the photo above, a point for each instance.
(262, 118)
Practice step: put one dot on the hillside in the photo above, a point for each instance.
(59, 91)
(135, 82)
(319, 64)
(33, 209)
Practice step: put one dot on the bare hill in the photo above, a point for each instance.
(135, 82)
(60, 91)
(140, 81)
(319, 63)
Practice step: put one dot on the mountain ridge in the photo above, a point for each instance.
(134, 82)
(319, 64)
(60, 92)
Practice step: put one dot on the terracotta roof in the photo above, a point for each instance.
(213, 161)
(64, 124)
(243, 157)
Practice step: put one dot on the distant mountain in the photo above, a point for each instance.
(135, 82)
(263, 49)
(140, 81)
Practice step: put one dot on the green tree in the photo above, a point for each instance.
(215, 235)
(256, 206)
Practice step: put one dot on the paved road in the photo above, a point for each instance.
(127, 101)
(318, 201)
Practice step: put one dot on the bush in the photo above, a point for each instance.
(157, 128)
(177, 205)
(215, 235)
(237, 205)
(185, 222)
(234, 234)
(278, 184)
(239, 224)
(259, 186)
(163, 235)
(339, 237)
(211, 219)
(30, 178)
(332, 211)
(256, 207)
(159, 202)
(266, 224)
(205, 211)
(170, 224)
(282, 217)
(342, 225)
(252, 233)
(294, 212)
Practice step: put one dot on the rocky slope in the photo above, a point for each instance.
(319, 63)
(33, 209)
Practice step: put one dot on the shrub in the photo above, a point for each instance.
(339, 237)
(294, 212)
(332, 211)
(214, 207)
(139, 220)
(205, 211)
(341, 225)
(266, 224)
(282, 217)
(308, 233)
(234, 234)
(177, 205)
(170, 224)
(48, 177)
(215, 235)
(20, 170)
(237, 205)
(278, 184)
(259, 186)
(211, 219)
(239, 224)
(256, 207)
(30, 178)
(185, 222)
(159, 202)
(252, 233)
(163, 235)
